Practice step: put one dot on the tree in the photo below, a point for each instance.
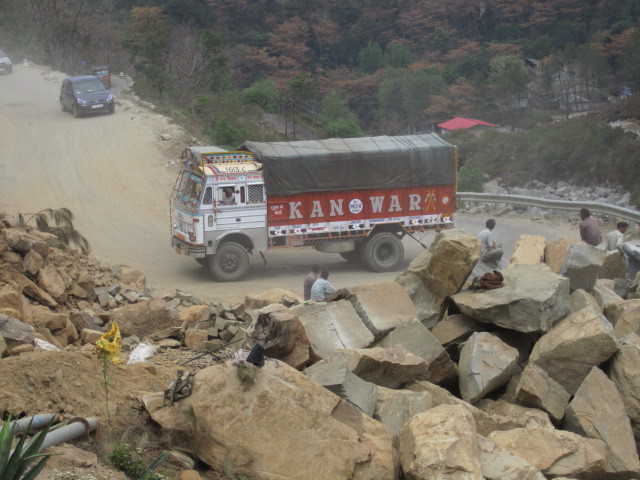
(508, 79)
(631, 62)
(397, 55)
(371, 58)
(263, 93)
(337, 118)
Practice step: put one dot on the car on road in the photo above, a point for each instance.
(5, 63)
(86, 94)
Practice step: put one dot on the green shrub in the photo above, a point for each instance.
(124, 458)
(16, 462)
(263, 93)
(470, 179)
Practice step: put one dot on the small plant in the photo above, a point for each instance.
(17, 463)
(128, 461)
(247, 374)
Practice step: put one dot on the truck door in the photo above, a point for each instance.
(208, 213)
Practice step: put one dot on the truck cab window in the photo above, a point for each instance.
(227, 196)
(208, 196)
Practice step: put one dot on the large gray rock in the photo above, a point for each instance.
(555, 452)
(604, 293)
(583, 266)
(417, 339)
(144, 318)
(382, 306)
(533, 299)
(454, 329)
(570, 349)
(498, 464)
(394, 408)
(616, 311)
(613, 266)
(333, 326)
(522, 416)
(625, 373)
(336, 377)
(14, 330)
(597, 411)
(388, 367)
(486, 363)
(439, 272)
(529, 250)
(441, 443)
(536, 389)
(582, 299)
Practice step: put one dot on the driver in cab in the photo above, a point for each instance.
(228, 196)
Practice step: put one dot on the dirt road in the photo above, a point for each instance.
(111, 171)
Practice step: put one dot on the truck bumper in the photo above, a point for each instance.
(183, 248)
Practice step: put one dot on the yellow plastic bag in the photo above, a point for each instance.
(109, 344)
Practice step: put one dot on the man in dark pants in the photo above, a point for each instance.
(309, 280)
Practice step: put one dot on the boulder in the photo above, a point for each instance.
(274, 295)
(532, 299)
(394, 408)
(486, 363)
(554, 452)
(132, 278)
(11, 302)
(605, 295)
(333, 326)
(382, 306)
(43, 317)
(33, 262)
(625, 373)
(195, 316)
(529, 250)
(615, 311)
(522, 416)
(14, 330)
(613, 266)
(583, 266)
(144, 318)
(21, 241)
(195, 339)
(536, 389)
(67, 335)
(50, 280)
(28, 288)
(597, 411)
(500, 464)
(283, 425)
(417, 339)
(555, 254)
(454, 329)
(440, 272)
(627, 317)
(90, 336)
(570, 349)
(440, 443)
(581, 299)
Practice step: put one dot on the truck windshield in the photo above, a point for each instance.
(190, 190)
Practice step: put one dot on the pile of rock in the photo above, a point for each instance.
(533, 380)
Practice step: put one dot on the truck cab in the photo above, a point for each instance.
(218, 210)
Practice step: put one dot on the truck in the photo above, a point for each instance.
(356, 197)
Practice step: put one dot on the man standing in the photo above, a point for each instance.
(322, 289)
(615, 238)
(490, 252)
(309, 280)
(589, 228)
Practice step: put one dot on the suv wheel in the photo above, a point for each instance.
(230, 263)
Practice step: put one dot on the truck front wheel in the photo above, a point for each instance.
(230, 263)
(383, 252)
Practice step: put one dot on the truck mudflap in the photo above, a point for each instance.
(183, 248)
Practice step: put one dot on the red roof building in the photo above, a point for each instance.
(459, 123)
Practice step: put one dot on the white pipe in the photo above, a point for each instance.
(69, 432)
(37, 422)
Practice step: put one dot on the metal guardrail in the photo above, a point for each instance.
(566, 205)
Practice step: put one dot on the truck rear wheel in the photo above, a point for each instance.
(230, 263)
(383, 252)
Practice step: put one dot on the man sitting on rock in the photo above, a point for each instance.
(322, 290)
(615, 238)
(490, 251)
(589, 228)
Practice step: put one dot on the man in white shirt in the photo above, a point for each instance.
(322, 290)
(490, 252)
(615, 238)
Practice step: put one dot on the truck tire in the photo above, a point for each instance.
(230, 263)
(383, 252)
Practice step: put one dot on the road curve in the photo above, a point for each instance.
(111, 172)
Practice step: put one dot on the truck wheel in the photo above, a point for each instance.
(383, 252)
(230, 263)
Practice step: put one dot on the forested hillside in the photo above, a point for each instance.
(347, 67)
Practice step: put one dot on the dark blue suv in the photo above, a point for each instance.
(86, 94)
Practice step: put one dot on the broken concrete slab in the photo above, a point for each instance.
(441, 443)
(529, 250)
(583, 266)
(333, 326)
(486, 363)
(536, 389)
(554, 452)
(382, 306)
(625, 373)
(597, 411)
(394, 408)
(532, 300)
(417, 339)
(338, 378)
(570, 349)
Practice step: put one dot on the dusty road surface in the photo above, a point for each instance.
(111, 171)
